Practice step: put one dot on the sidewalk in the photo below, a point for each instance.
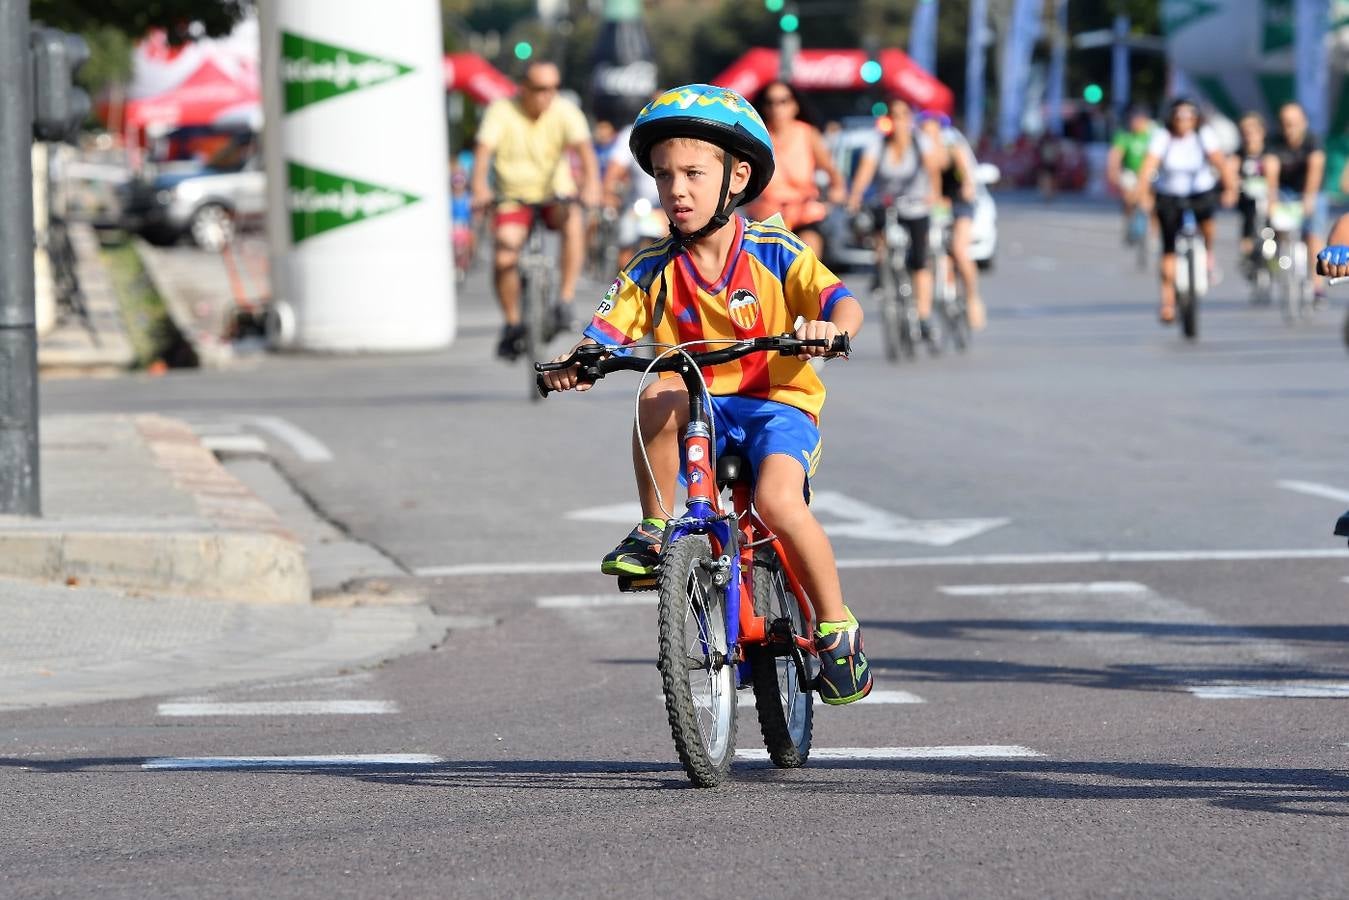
(153, 568)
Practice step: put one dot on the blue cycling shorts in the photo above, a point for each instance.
(1318, 221)
(753, 429)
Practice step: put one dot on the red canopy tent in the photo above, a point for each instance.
(840, 70)
(475, 76)
(207, 96)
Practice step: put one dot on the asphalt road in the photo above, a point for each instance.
(1093, 563)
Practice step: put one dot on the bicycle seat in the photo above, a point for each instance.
(730, 468)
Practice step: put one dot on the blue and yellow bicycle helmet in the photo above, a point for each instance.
(714, 114)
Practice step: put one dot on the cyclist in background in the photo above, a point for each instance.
(524, 142)
(1183, 157)
(633, 193)
(907, 173)
(800, 152)
(1128, 149)
(957, 165)
(1246, 168)
(1296, 166)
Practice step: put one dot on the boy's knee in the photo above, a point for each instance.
(663, 407)
(780, 507)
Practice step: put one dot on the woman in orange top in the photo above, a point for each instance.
(800, 152)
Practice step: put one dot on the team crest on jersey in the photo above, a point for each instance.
(744, 309)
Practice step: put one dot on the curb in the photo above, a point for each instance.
(202, 332)
(235, 548)
(102, 350)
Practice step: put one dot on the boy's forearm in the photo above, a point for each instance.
(847, 316)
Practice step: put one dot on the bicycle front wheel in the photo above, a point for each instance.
(696, 675)
(1188, 296)
(786, 711)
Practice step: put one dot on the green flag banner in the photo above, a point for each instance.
(312, 71)
(320, 201)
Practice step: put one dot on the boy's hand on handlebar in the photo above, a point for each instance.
(566, 379)
(813, 331)
(1333, 261)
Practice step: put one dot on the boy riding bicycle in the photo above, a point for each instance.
(719, 278)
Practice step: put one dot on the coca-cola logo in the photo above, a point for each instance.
(636, 79)
(834, 70)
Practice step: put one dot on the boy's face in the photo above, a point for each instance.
(688, 178)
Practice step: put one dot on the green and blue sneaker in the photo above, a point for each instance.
(639, 553)
(844, 676)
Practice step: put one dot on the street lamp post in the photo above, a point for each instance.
(19, 486)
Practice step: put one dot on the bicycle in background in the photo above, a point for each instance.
(1191, 274)
(892, 287)
(538, 286)
(948, 293)
(1291, 268)
(732, 611)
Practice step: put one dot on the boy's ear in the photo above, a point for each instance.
(740, 176)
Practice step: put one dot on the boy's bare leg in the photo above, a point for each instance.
(664, 413)
(781, 503)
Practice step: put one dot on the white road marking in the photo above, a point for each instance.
(1056, 587)
(992, 751)
(1303, 690)
(1315, 490)
(993, 559)
(860, 520)
(292, 762)
(305, 445)
(873, 699)
(233, 443)
(591, 601)
(281, 708)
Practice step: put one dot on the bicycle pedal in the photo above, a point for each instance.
(630, 584)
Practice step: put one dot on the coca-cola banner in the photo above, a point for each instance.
(623, 76)
(839, 70)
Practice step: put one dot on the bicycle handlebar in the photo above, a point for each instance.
(595, 362)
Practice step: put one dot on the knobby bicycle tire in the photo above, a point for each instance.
(705, 743)
(786, 713)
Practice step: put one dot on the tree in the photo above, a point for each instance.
(181, 19)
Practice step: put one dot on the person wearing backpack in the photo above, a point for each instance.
(1183, 169)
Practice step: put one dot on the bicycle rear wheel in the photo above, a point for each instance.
(951, 303)
(786, 712)
(698, 680)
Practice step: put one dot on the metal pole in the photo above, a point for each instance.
(19, 492)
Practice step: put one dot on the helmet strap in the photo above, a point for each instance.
(680, 240)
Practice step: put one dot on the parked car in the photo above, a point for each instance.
(207, 203)
(844, 250)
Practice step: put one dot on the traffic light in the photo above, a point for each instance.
(59, 107)
(524, 50)
(774, 6)
(1093, 93)
(789, 22)
(871, 71)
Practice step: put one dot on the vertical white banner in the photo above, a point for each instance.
(1058, 68)
(1018, 47)
(923, 35)
(358, 183)
(1310, 27)
(976, 37)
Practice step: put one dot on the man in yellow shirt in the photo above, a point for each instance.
(525, 140)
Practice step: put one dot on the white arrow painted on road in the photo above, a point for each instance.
(859, 520)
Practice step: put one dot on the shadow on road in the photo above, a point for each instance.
(1299, 791)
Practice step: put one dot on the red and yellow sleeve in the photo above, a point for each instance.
(623, 314)
(812, 290)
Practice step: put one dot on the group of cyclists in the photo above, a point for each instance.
(1166, 169)
(538, 147)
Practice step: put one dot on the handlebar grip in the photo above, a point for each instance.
(842, 344)
(543, 389)
(1337, 279)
